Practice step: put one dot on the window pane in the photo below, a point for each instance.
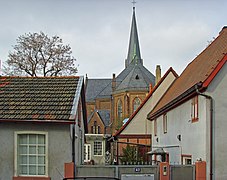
(32, 170)
(136, 104)
(23, 170)
(23, 160)
(41, 160)
(32, 139)
(41, 150)
(23, 150)
(41, 170)
(32, 160)
(23, 139)
(41, 139)
(32, 149)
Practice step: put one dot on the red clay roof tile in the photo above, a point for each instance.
(196, 71)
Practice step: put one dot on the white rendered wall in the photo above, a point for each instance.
(140, 124)
(193, 135)
(218, 91)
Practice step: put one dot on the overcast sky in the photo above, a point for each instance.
(171, 32)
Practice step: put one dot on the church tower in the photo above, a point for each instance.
(132, 85)
(134, 48)
(110, 102)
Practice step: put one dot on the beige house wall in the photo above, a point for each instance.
(140, 124)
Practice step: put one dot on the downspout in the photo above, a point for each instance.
(211, 129)
(73, 143)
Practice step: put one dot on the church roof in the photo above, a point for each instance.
(134, 77)
(98, 88)
(134, 48)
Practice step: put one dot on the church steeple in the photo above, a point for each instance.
(134, 48)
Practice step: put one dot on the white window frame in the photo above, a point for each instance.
(195, 109)
(87, 153)
(94, 149)
(165, 123)
(155, 127)
(185, 158)
(16, 170)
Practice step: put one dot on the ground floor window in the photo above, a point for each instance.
(186, 159)
(98, 148)
(87, 152)
(31, 153)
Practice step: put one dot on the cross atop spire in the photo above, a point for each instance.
(133, 4)
(134, 48)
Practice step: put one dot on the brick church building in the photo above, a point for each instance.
(110, 102)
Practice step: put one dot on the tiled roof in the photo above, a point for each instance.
(197, 71)
(37, 98)
(134, 77)
(98, 88)
(105, 116)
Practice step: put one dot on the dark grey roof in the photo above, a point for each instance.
(134, 77)
(105, 116)
(134, 48)
(98, 88)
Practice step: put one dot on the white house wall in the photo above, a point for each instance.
(218, 91)
(140, 124)
(193, 135)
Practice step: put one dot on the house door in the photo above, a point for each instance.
(87, 152)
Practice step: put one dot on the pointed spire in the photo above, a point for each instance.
(134, 48)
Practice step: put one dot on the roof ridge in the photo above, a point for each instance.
(40, 77)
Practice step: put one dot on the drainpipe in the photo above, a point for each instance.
(211, 129)
(73, 143)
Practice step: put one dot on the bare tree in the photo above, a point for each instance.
(35, 54)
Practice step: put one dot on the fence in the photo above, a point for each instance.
(163, 171)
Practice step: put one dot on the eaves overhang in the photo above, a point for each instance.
(191, 92)
(38, 121)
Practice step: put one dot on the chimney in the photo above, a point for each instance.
(86, 80)
(114, 83)
(150, 87)
(158, 74)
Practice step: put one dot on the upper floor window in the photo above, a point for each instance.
(155, 127)
(165, 123)
(95, 129)
(98, 148)
(136, 104)
(194, 109)
(31, 153)
(119, 109)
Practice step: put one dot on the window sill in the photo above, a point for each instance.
(30, 178)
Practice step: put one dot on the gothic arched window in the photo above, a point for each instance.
(136, 103)
(119, 109)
